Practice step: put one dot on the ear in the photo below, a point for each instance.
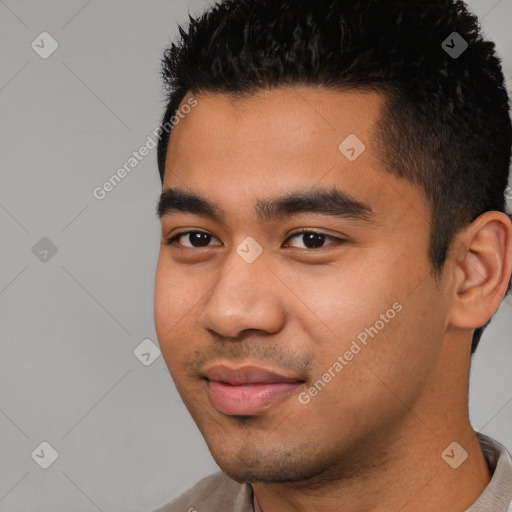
(482, 254)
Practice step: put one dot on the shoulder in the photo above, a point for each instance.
(215, 492)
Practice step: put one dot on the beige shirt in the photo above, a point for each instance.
(219, 493)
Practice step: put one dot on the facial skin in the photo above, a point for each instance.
(372, 437)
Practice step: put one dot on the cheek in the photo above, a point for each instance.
(397, 358)
(174, 300)
(177, 291)
(349, 295)
(163, 299)
(385, 375)
(386, 304)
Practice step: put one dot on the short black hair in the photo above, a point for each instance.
(445, 125)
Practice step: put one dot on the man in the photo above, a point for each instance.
(334, 241)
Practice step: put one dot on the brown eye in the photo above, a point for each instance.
(195, 239)
(313, 239)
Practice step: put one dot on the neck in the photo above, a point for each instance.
(404, 469)
(409, 479)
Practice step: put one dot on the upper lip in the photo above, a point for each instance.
(246, 375)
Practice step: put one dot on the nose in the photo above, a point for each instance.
(245, 297)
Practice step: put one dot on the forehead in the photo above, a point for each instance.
(239, 150)
(270, 128)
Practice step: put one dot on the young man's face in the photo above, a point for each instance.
(295, 353)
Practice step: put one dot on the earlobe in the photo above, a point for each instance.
(482, 269)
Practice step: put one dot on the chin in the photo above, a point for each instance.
(251, 464)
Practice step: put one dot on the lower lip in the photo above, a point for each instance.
(247, 399)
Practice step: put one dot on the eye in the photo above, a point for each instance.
(313, 239)
(195, 238)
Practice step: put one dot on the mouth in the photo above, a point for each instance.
(247, 390)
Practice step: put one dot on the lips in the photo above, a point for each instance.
(247, 390)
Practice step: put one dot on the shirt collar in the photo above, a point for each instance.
(497, 496)
(255, 503)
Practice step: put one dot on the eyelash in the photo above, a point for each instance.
(171, 241)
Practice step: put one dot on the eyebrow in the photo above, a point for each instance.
(332, 202)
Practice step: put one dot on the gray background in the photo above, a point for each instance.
(70, 324)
